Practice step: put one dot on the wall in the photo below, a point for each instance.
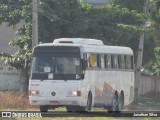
(9, 77)
(148, 85)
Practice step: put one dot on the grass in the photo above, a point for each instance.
(149, 101)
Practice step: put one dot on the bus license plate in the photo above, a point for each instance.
(54, 103)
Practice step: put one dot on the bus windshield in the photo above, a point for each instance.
(57, 65)
(67, 65)
(43, 64)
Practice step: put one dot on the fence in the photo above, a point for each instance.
(149, 86)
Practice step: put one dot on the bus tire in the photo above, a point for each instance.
(73, 109)
(89, 101)
(89, 104)
(44, 108)
(69, 109)
(113, 106)
(120, 103)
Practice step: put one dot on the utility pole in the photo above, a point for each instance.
(34, 42)
(140, 57)
(34, 23)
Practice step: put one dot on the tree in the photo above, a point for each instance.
(12, 12)
(154, 15)
(130, 4)
(62, 18)
(68, 18)
(114, 25)
(154, 29)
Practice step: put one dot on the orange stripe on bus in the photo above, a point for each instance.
(98, 91)
(110, 88)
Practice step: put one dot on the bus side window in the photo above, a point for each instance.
(128, 62)
(115, 65)
(102, 61)
(112, 61)
(132, 63)
(119, 62)
(122, 62)
(95, 60)
(85, 58)
(92, 60)
(107, 59)
(88, 60)
(99, 61)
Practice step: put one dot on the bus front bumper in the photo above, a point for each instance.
(74, 101)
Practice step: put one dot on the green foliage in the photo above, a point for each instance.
(154, 15)
(149, 46)
(154, 26)
(130, 4)
(157, 54)
(13, 12)
(114, 24)
(154, 10)
(154, 64)
(22, 57)
(61, 18)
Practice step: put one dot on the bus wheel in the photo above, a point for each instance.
(89, 104)
(69, 109)
(120, 103)
(44, 108)
(113, 106)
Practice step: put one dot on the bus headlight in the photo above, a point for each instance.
(33, 92)
(74, 93)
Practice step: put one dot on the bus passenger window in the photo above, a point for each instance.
(112, 61)
(107, 61)
(92, 60)
(119, 62)
(122, 62)
(128, 62)
(132, 63)
(102, 61)
(85, 58)
(99, 61)
(115, 62)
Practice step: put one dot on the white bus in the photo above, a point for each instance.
(80, 73)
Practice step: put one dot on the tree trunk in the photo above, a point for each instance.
(24, 81)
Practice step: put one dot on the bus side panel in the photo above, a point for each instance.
(107, 82)
(88, 85)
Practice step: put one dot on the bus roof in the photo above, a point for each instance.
(84, 41)
(96, 46)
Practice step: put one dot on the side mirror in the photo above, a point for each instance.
(84, 64)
